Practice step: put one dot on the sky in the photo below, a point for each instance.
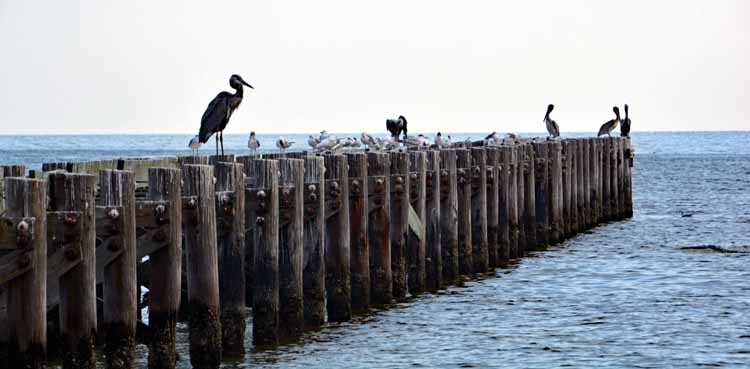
(96, 67)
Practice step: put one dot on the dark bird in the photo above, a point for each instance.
(552, 128)
(396, 126)
(218, 112)
(610, 125)
(625, 127)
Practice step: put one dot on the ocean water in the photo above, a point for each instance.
(630, 294)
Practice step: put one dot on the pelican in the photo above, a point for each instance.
(367, 140)
(439, 142)
(396, 126)
(312, 141)
(219, 110)
(494, 137)
(195, 145)
(252, 143)
(625, 127)
(283, 144)
(552, 127)
(610, 125)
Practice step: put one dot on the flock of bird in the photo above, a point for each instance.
(220, 109)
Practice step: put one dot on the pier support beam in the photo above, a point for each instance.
(541, 193)
(314, 272)
(359, 244)
(503, 176)
(463, 171)
(338, 272)
(399, 221)
(291, 316)
(529, 210)
(513, 213)
(479, 237)
(493, 207)
(449, 216)
(433, 253)
(556, 191)
(417, 243)
(378, 230)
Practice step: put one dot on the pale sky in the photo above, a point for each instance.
(80, 66)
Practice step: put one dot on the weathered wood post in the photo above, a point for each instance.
(621, 185)
(628, 175)
(541, 192)
(72, 197)
(556, 200)
(337, 254)
(586, 176)
(291, 255)
(433, 252)
(520, 198)
(118, 250)
(25, 270)
(573, 216)
(215, 159)
(479, 238)
(615, 168)
(399, 221)
(9, 171)
(193, 160)
(449, 215)
(529, 211)
(503, 176)
(250, 224)
(594, 170)
(606, 161)
(230, 228)
(314, 273)
(417, 243)
(359, 244)
(378, 230)
(463, 173)
(202, 265)
(493, 205)
(264, 193)
(580, 185)
(513, 213)
(566, 181)
(164, 188)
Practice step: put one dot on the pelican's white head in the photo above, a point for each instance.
(195, 143)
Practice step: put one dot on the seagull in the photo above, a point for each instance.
(513, 136)
(494, 137)
(448, 142)
(194, 145)
(312, 141)
(326, 144)
(625, 127)
(439, 140)
(252, 143)
(283, 144)
(610, 125)
(468, 142)
(324, 135)
(355, 143)
(367, 140)
(552, 127)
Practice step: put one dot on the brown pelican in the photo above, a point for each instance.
(219, 110)
(610, 125)
(552, 127)
(625, 127)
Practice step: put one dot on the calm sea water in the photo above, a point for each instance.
(625, 295)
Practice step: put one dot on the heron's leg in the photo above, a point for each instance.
(222, 142)
(217, 144)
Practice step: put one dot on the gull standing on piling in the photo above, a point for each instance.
(252, 143)
(194, 145)
(326, 144)
(625, 127)
(439, 142)
(283, 144)
(494, 137)
(552, 128)
(367, 140)
(312, 141)
(219, 110)
(610, 125)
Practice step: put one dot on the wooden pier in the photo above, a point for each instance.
(303, 239)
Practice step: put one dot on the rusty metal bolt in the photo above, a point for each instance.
(225, 200)
(413, 176)
(355, 187)
(113, 214)
(379, 185)
(114, 245)
(261, 194)
(24, 260)
(334, 186)
(70, 220)
(71, 253)
(310, 210)
(444, 173)
(192, 204)
(24, 234)
(260, 220)
(160, 236)
(378, 201)
(160, 210)
(399, 189)
(22, 227)
(312, 188)
(312, 197)
(399, 180)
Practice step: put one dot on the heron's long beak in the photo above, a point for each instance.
(246, 84)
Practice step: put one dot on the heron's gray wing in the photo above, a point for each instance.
(215, 114)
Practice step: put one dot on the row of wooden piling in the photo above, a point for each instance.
(302, 239)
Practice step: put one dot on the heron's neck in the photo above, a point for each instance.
(238, 91)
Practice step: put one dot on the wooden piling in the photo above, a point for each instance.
(463, 173)
(250, 224)
(202, 265)
(291, 258)
(513, 214)
(613, 178)
(621, 178)
(25, 201)
(580, 185)
(529, 211)
(378, 230)
(117, 191)
(337, 254)
(73, 194)
(503, 176)
(449, 215)
(9, 171)
(215, 159)
(606, 179)
(314, 272)
(541, 192)
(556, 201)
(359, 245)
(573, 216)
(586, 175)
(230, 235)
(433, 252)
(520, 199)
(399, 221)
(493, 205)
(628, 158)
(566, 181)
(479, 237)
(416, 243)
(265, 198)
(164, 185)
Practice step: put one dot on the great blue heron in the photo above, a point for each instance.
(552, 127)
(396, 126)
(252, 143)
(219, 110)
(610, 125)
(625, 127)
